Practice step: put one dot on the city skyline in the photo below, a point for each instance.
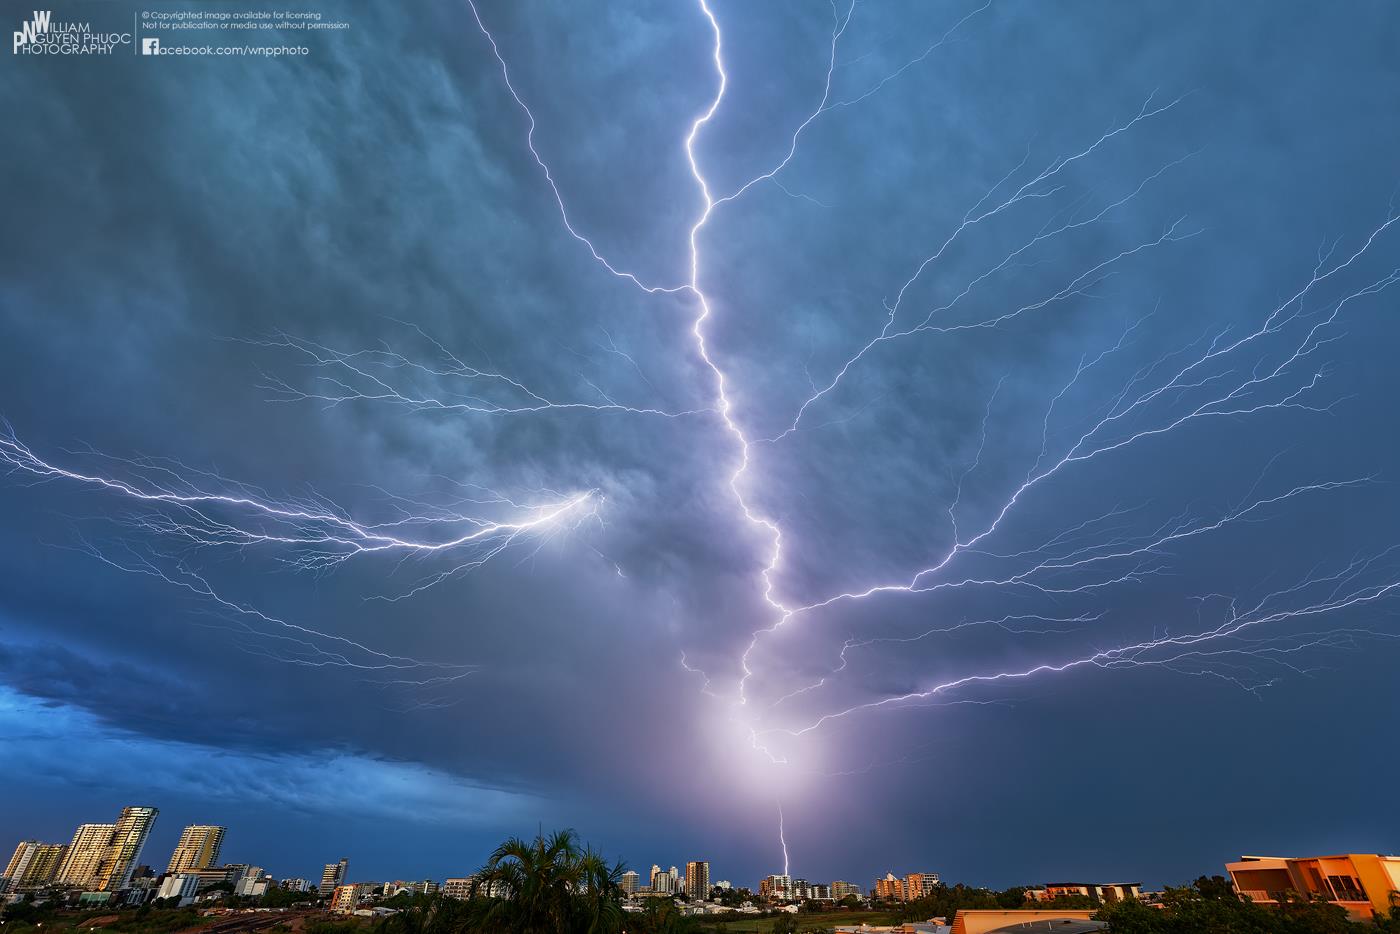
(818, 441)
(1358, 885)
(100, 866)
(106, 859)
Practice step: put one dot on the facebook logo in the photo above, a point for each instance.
(150, 46)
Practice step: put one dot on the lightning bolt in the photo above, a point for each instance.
(1162, 652)
(321, 534)
(782, 838)
(312, 648)
(1249, 388)
(1272, 367)
(201, 510)
(376, 376)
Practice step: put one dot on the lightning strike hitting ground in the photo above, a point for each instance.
(1270, 369)
(1224, 381)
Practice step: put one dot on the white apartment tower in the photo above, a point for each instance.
(332, 876)
(198, 848)
(85, 854)
(128, 839)
(33, 864)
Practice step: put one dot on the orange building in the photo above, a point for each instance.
(1100, 892)
(913, 886)
(919, 884)
(986, 921)
(346, 898)
(889, 888)
(1365, 884)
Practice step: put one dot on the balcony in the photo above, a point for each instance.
(1343, 897)
(1257, 895)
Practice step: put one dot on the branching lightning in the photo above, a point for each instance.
(195, 509)
(317, 533)
(375, 376)
(1232, 377)
(1272, 368)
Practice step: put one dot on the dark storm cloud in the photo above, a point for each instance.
(156, 210)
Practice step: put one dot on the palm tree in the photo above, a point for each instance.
(600, 901)
(547, 886)
(430, 914)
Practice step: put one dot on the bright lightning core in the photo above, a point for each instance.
(1275, 366)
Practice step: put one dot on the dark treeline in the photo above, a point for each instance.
(554, 885)
(1209, 906)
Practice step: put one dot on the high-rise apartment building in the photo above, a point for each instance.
(913, 886)
(82, 860)
(775, 886)
(665, 882)
(33, 864)
(631, 882)
(128, 838)
(697, 879)
(198, 848)
(346, 898)
(840, 890)
(919, 884)
(333, 876)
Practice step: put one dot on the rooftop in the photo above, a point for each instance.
(1054, 925)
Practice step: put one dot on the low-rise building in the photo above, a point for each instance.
(219, 875)
(1100, 892)
(1024, 921)
(181, 885)
(1362, 883)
